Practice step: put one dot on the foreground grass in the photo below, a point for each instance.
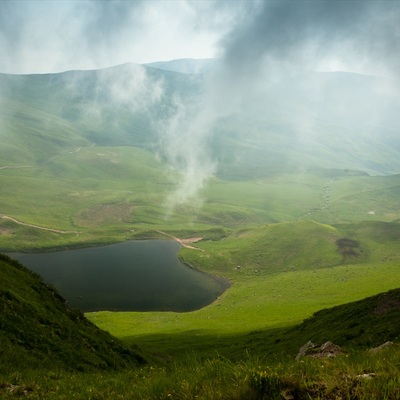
(361, 375)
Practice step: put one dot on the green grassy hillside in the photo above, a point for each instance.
(366, 323)
(39, 330)
(113, 194)
(280, 273)
(45, 348)
(83, 151)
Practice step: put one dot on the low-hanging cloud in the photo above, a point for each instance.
(309, 34)
(268, 49)
(271, 43)
(94, 95)
(265, 58)
(39, 36)
(184, 137)
(262, 43)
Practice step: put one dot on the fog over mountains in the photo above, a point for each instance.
(274, 100)
(288, 122)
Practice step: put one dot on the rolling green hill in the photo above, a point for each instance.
(280, 273)
(109, 194)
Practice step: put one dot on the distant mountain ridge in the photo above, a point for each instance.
(294, 123)
(185, 65)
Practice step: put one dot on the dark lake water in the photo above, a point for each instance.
(131, 276)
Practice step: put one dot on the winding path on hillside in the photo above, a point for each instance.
(325, 200)
(15, 166)
(76, 150)
(35, 226)
(184, 242)
(3, 216)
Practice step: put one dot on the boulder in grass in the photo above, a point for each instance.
(327, 350)
(305, 349)
(381, 347)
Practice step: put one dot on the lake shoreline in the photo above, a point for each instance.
(205, 289)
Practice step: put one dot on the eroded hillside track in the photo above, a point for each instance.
(36, 226)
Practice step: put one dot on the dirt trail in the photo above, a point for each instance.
(47, 161)
(184, 242)
(15, 166)
(35, 226)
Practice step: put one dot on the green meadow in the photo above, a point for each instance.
(280, 275)
(123, 192)
(291, 238)
(275, 238)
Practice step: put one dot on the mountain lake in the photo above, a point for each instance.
(144, 275)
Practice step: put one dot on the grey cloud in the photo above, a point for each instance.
(12, 18)
(217, 14)
(264, 46)
(50, 36)
(184, 144)
(303, 31)
(106, 21)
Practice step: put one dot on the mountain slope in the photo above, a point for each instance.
(122, 105)
(186, 65)
(362, 324)
(312, 120)
(292, 123)
(38, 329)
(295, 246)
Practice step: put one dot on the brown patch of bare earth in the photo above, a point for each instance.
(190, 240)
(5, 231)
(386, 304)
(103, 214)
(184, 242)
(348, 247)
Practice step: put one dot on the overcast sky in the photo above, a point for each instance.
(55, 35)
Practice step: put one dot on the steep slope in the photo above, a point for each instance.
(39, 330)
(366, 323)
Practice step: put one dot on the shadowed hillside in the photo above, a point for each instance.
(362, 324)
(38, 329)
